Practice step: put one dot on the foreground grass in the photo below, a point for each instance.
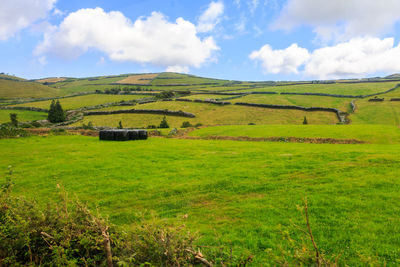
(377, 134)
(22, 115)
(83, 101)
(239, 194)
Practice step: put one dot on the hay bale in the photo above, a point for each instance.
(121, 135)
(133, 134)
(106, 135)
(142, 134)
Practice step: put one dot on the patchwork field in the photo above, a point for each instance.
(139, 79)
(83, 101)
(352, 190)
(51, 80)
(208, 114)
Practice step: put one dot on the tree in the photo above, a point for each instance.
(56, 112)
(164, 123)
(14, 120)
(305, 120)
(120, 125)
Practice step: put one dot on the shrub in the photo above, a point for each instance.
(186, 124)
(88, 126)
(198, 125)
(164, 123)
(58, 131)
(305, 120)
(13, 119)
(67, 233)
(252, 123)
(151, 126)
(120, 125)
(166, 94)
(8, 131)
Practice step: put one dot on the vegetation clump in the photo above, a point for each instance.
(186, 124)
(164, 123)
(56, 113)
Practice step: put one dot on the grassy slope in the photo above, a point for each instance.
(235, 193)
(15, 89)
(379, 134)
(209, 114)
(22, 115)
(386, 112)
(83, 101)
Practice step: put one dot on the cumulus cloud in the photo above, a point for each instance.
(210, 17)
(277, 61)
(16, 15)
(340, 19)
(148, 40)
(355, 58)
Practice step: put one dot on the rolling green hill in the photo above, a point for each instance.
(18, 88)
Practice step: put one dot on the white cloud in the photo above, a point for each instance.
(148, 40)
(16, 15)
(211, 17)
(179, 69)
(343, 19)
(253, 4)
(276, 61)
(356, 58)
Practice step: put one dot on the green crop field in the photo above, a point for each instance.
(22, 115)
(83, 101)
(239, 194)
(208, 114)
(17, 89)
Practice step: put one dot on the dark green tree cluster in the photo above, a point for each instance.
(164, 123)
(56, 112)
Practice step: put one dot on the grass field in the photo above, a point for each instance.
(83, 101)
(22, 115)
(386, 112)
(342, 104)
(208, 114)
(16, 89)
(376, 134)
(336, 88)
(239, 194)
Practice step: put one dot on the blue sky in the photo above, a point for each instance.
(237, 39)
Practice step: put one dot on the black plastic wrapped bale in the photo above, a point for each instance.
(121, 135)
(133, 135)
(142, 134)
(106, 135)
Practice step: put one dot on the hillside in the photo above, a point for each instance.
(13, 87)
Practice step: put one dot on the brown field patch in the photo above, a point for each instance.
(138, 79)
(51, 80)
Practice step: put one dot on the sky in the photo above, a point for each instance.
(253, 40)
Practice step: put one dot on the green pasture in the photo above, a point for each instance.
(235, 194)
(22, 115)
(209, 114)
(377, 134)
(386, 112)
(335, 88)
(18, 89)
(342, 104)
(83, 101)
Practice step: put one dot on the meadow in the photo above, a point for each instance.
(241, 195)
(83, 101)
(22, 115)
(18, 89)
